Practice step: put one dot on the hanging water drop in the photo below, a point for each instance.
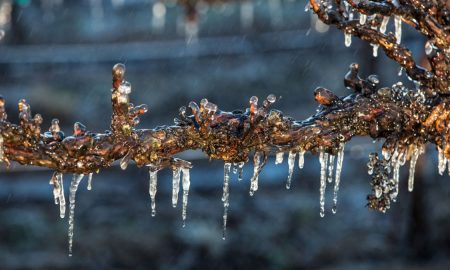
(76, 179)
(175, 185)
(124, 161)
(186, 185)
(323, 158)
(291, 162)
(89, 186)
(279, 158)
(254, 179)
(398, 28)
(337, 180)
(225, 196)
(153, 181)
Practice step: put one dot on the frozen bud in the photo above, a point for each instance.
(203, 102)
(37, 119)
(373, 79)
(2, 102)
(182, 111)
(141, 109)
(254, 100)
(210, 107)
(324, 96)
(79, 129)
(271, 98)
(194, 107)
(118, 72)
(55, 126)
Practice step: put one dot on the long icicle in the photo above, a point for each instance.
(225, 196)
(76, 179)
(254, 179)
(337, 180)
(62, 198)
(152, 187)
(330, 168)
(323, 157)
(89, 186)
(291, 161)
(175, 186)
(186, 185)
(398, 28)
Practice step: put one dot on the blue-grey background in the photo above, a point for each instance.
(58, 55)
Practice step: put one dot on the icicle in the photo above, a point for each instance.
(375, 49)
(396, 177)
(347, 39)
(323, 158)
(279, 158)
(61, 198)
(175, 185)
(337, 180)
(384, 23)
(398, 28)
(186, 185)
(76, 179)
(89, 186)
(330, 168)
(417, 150)
(235, 168)
(362, 19)
(254, 179)
(240, 170)
(153, 181)
(291, 161)
(400, 71)
(225, 196)
(442, 161)
(301, 159)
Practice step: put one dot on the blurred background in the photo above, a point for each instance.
(58, 55)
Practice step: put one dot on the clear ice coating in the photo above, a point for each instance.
(89, 186)
(153, 181)
(279, 157)
(240, 170)
(254, 179)
(175, 185)
(226, 195)
(398, 28)
(416, 151)
(323, 158)
(186, 185)
(347, 39)
(337, 180)
(76, 179)
(301, 159)
(291, 161)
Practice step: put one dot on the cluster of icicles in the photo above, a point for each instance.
(363, 18)
(331, 168)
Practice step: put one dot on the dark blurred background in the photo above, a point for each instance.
(58, 55)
